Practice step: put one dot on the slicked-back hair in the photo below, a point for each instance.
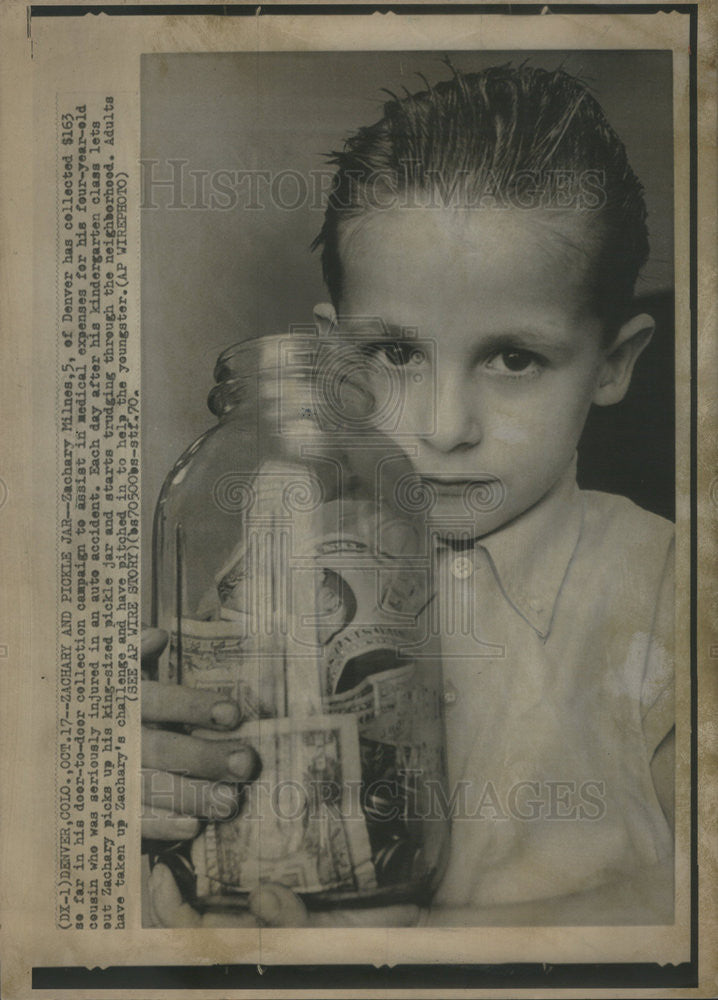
(505, 137)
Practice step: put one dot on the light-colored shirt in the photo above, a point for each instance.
(558, 667)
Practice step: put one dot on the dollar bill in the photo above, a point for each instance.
(220, 656)
(400, 709)
(300, 822)
(377, 694)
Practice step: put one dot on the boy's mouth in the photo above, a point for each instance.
(447, 486)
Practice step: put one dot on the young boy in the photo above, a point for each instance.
(496, 215)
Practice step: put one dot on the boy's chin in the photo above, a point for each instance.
(451, 521)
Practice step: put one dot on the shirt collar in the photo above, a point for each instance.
(531, 555)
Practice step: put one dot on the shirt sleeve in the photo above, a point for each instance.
(658, 687)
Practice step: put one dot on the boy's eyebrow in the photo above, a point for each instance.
(549, 340)
(536, 340)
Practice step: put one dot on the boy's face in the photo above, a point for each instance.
(518, 356)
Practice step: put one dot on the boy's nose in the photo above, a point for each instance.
(457, 426)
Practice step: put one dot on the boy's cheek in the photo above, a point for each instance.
(511, 432)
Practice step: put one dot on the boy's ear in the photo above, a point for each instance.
(617, 368)
(325, 317)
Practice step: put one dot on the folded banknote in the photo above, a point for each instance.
(300, 823)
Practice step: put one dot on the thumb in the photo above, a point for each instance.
(170, 910)
(153, 642)
(277, 906)
(167, 902)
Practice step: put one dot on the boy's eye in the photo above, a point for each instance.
(514, 361)
(396, 352)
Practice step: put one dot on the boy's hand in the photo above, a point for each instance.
(271, 905)
(186, 779)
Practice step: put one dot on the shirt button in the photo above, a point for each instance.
(462, 567)
(449, 693)
(536, 606)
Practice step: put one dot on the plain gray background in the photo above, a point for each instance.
(211, 278)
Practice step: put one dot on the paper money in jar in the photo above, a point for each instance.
(295, 579)
(300, 823)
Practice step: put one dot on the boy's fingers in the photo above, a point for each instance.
(276, 906)
(241, 918)
(167, 902)
(170, 910)
(214, 800)
(162, 824)
(403, 915)
(174, 703)
(218, 760)
(153, 642)
(271, 905)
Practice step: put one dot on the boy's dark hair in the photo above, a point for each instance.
(506, 136)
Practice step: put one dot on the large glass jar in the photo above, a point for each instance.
(292, 571)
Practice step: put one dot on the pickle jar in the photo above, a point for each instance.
(292, 572)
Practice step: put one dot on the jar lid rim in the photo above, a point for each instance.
(249, 359)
